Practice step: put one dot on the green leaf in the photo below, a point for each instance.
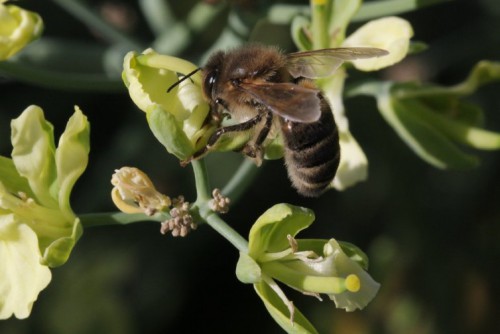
(454, 108)
(431, 119)
(483, 73)
(270, 231)
(375, 9)
(417, 47)
(455, 129)
(424, 139)
(280, 313)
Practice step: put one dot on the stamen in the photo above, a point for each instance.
(219, 203)
(181, 221)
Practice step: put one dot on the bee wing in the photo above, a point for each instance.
(322, 63)
(288, 100)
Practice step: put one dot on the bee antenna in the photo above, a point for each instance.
(187, 76)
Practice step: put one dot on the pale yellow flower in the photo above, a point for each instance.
(18, 27)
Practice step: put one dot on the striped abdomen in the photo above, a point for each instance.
(312, 152)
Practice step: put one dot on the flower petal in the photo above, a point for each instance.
(23, 277)
(280, 312)
(149, 77)
(169, 132)
(270, 231)
(72, 158)
(10, 178)
(58, 251)
(247, 270)
(345, 267)
(353, 167)
(147, 85)
(390, 33)
(33, 154)
(134, 192)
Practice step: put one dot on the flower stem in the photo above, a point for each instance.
(59, 79)
(118, 218)
(227, 232)
(319, 24)
(201, 181)
(207, 214)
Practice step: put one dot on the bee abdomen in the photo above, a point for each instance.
(312, 153)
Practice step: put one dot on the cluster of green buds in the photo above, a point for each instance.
(18, 27)
(38, 228)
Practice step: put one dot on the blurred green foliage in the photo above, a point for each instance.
(432, 236)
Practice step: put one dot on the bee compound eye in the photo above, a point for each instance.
(212, 78)
(208, 84)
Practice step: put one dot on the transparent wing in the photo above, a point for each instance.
(322, 63)
(288, 100)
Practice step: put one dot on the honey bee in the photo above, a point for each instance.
(266, 91)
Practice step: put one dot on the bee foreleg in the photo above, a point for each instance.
(214, 138)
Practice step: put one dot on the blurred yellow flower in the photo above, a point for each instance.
(38, 228)
(18, 27)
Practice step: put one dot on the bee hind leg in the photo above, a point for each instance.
(255, 150)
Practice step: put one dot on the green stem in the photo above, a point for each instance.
(227, 232)
(182, 34)
(158, 15)
(319, 25)
(207, 214)
(118, 218)
(203, 192)
(376, 9)
(60, 80)
(90, 18)
(240, 181)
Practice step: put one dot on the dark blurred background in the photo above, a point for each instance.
(432, 236)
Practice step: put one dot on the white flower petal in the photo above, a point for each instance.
(22, 275)
(353, 167)
(344, 266)
(389, 33)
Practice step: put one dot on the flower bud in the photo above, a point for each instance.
(18, 27)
